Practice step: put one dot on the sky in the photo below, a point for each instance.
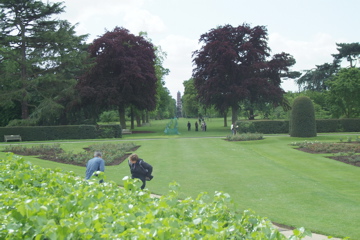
(306, 29)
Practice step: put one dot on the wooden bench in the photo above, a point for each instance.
(12, 138)
(126, 131)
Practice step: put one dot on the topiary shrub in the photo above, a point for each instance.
(302, 119)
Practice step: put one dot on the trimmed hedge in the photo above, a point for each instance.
(302, 119)
(263, 126)
(109, 131)
(282, 126)
(44, 133)
(338, 125)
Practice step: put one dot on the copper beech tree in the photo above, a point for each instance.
(123, 74)
(234, 66)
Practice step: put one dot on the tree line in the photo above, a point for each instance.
(235, 74)
(50, 76)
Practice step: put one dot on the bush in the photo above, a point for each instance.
(245, 127)
(41, 133)
(245, 137)
(109, 116)
(37, 133)
(22, 122)
(263, 126)
(302, 119)
(109, 131)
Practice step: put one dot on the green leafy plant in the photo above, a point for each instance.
(109, 116)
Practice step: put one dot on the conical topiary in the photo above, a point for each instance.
(302, 119)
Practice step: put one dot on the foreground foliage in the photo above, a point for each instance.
(38, 203)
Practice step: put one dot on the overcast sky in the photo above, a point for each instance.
(306, 29)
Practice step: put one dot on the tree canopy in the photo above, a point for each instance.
(40, 57)
(315, 79)
(343, 94)
(232, 66)
(350, 51)
(123, 73)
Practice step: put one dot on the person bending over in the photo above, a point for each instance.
(140, 169)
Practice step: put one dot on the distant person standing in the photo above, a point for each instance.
(196, 126)
(95, 164)
(189, 126)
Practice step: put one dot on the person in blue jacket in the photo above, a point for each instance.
(95, 164)
(140, 169)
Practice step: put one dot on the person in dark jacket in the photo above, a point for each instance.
(140, 169)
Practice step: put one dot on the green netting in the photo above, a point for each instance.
(172, 127)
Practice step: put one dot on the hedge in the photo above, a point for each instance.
(302, 119)
(282, 126)
(44, 133)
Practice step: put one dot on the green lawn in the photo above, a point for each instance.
(268, 176)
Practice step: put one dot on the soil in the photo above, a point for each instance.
(344, 159)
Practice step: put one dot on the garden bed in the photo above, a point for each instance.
(56, 154)
(346, 152)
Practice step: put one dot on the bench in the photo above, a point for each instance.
(126, 131)
(12, 138)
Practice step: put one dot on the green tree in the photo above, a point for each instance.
(316, 79)
(350, 51)
(39, 59)
(165, 104)
(302, 120)
(343, 95)
(190, 103)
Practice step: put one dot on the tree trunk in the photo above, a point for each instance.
(24, 77)
(147, 116)
(138, 119)
(143, 116)
(122, 116)
(132, 117)
(24, 109)
(234, 116)
(251, 114)
(225, 119)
